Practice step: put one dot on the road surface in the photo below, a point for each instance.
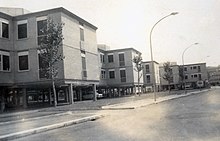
(191, 118)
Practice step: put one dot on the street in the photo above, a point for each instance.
(191, 118)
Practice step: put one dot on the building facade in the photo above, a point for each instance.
(21, 82)
(195, 75)
(175, 81)
(214, 75)
(151, 76)
(118, 76)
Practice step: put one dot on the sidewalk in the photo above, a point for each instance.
(146, 102)
(90, 105)
(46, 119)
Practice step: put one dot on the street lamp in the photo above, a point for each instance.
(184, 82)
(151, 51)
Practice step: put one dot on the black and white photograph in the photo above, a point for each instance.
(109, 70)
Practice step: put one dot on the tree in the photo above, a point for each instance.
(168, 73)
(138, 68)
(49, 51)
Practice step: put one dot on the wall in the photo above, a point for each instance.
(7, 45)
(72, 52)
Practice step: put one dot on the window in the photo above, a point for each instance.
(4, 61)
(23, 61)
(171, 80)
(121, 59)
(186, 76)
(4, 24)
(195, 75)
(200, 77)
(111, 74)
(199, 69)
(123, 75)
(147, 68)
(102, 58)
(185, 68)
(110, 58)
(81, 31)
(148, 78)
(194, 67)
(102, 74)
(84, 72)
(41, 25)
(22, 29)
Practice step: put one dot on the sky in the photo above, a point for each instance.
(127, 23)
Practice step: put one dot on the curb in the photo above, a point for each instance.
(115, 106)
(34, 118)
(3, 115)
(47, 128)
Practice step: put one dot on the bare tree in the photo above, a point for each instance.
(138, 68)
(168, 73)
(49, 51)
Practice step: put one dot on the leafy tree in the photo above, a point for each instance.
(49, 51)
(138, 68)
(168, 75)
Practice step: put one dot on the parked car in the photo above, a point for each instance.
(99, 95)
(89, 95)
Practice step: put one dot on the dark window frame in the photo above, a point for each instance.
(5, 64)
(23, 60)
(121, 58)
(40, 25)
(110, 58)
(5, 30)
(22, 31)
(112, 74)
(123, 75)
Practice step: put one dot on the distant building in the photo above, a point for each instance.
(195, 73)
(175, 83)
(214, 75)
(117, 74)
(151, 77)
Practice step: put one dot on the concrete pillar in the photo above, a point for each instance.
(142, 89)
(50, 96)
(134, 89)
(80, 94)
(2, 100)
(119, 92)
(24, 92)
(71, 98)
(94, 92)
(66, 94)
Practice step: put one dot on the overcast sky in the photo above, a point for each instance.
(127, 23)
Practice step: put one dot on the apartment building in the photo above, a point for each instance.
(214, 75)
(21, 82)
(175, 81)
(118, 76)
(195, 75)
(151, 76)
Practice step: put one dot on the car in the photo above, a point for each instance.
(99, 95)
(89, 95)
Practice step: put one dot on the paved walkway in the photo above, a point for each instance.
(145, 102)
(14, 125)
(88, 105)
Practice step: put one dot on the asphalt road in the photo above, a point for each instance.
(192, 118)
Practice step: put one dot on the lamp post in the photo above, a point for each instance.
(151, 51)
(184, 82)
